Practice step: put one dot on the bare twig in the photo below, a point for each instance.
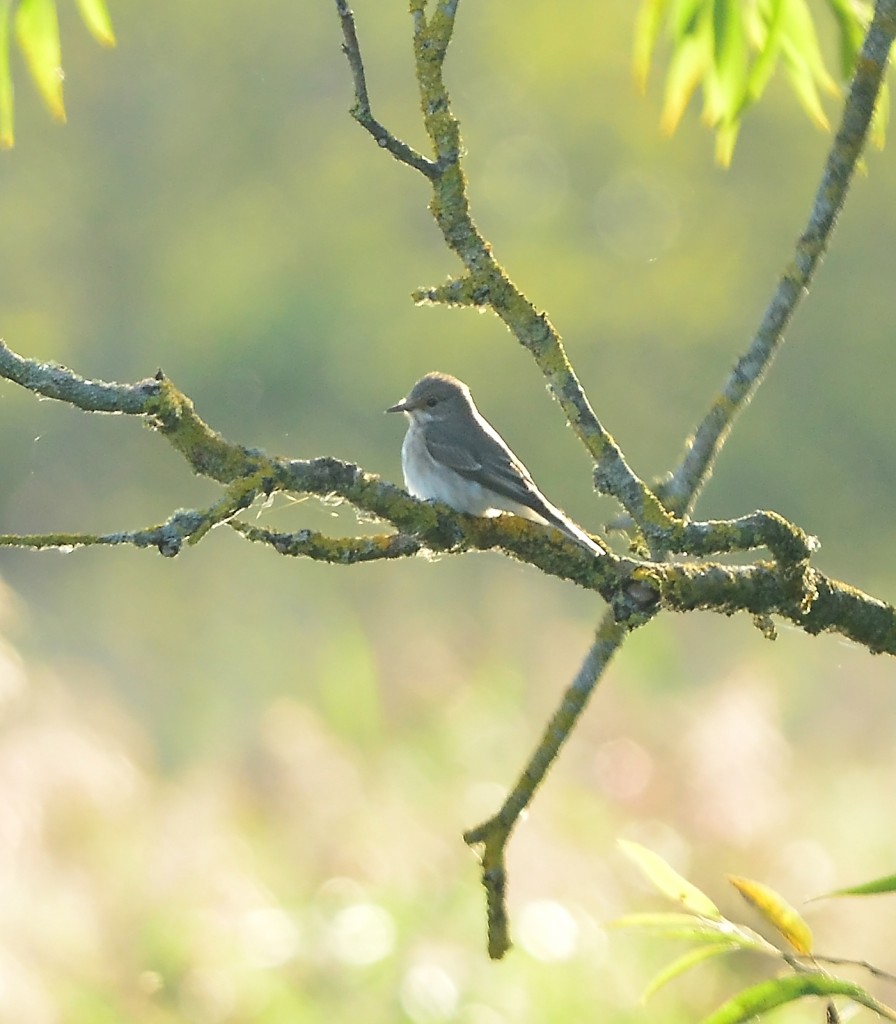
(494, 834)
(361, 111)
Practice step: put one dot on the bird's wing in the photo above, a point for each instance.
(488, 462)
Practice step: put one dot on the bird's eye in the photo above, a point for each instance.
(431, 402)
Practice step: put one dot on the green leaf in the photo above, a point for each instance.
(769, 49)
(726, 84)
(776, 910)
(801, 42)
(804, 86)
(37, 32)
(686, 70)
(873, 888)
(96, 17)
(758, 1000)
(726, 137)
(852, 32)
(647, 28)
(7, 123)
(881, 117)
(697, 929)
(669, 882)
(685, 963)
(686, 17)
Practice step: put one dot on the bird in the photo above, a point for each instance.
(452, 454)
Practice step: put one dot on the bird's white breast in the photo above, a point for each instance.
(425, 478)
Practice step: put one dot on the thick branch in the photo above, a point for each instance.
(54, 381)
(336, 550)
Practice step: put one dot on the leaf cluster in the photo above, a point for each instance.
(730, 49)
(35, 26)
(699, 921)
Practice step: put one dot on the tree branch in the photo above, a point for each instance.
(494, 833)
(486, 282)
(361, 111)
(789, 588)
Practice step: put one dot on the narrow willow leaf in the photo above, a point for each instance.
(669, 882)
(96, 17)
(729, 61)
(878, 885)
(647, 28)
(697, 929)
(758, 1000)
(799, 29)
(880, 119)
(804, 86)
(7, 123)
(686, 69)
(677, 926)
(685, 963)
(852, 32)
(776, 910)
(769, 50)
(37, 32)
(726, 137)
(685, 18)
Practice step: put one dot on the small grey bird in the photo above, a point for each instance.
(452, 454)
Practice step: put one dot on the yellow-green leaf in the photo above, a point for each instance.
(7, 124)
(776, 910)
(799, 29)
(96, 17)
(37, 32)
(852, 32)
(647, 28)
(881, 117)
(685, 963)
(726, 137)
(804, 86)
(873, 888)
(686, 16)
(730, 50)
(760, 999)
(686, 69)
(703, 930)
(769, 49)
(669, 882)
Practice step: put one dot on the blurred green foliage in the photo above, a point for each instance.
(731, 49)
(234, 783)
(36, 24)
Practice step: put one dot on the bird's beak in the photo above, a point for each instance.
(399, 406)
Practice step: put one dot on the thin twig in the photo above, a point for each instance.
(839, 961)
(361, 111)
(494, 834)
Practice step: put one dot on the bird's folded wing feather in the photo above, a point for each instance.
(490, 464)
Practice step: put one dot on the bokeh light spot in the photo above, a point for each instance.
(429, 993)
(362, 934)
(548, 931)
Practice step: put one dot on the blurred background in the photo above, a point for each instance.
(234, 783)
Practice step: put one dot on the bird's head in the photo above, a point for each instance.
(437, 396)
